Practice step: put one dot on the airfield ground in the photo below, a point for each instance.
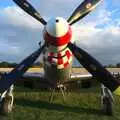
(80, 105)
(83, 104)
(76, 70)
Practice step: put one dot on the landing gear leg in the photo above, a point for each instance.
(106, 100)
(6, 101)
(62, 89)
(52, 95)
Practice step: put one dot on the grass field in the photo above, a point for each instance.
(80, 105)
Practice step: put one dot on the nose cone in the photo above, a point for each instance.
(57, 27)
(57, 31)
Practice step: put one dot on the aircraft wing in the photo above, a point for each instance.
(78, 80)
(28, 74)
(82, 76)
(72, 76)
(35, 80)
(75, 77)
(34, 75)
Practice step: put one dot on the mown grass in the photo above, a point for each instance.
(80, 105)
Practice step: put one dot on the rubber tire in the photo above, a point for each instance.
(107, 106)
(4, 108)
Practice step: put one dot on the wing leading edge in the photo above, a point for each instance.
(82, 76)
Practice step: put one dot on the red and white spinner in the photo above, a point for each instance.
(57, 34)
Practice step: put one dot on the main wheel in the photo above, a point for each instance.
(107, 106)
(6, 105)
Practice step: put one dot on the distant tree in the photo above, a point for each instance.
(4, 64)
(13, 65)
(110, 66)
(7, 64)
(118, 65)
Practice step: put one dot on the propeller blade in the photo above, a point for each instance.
(82, 10)
(27, 7)
(8, 79)
(96, 69)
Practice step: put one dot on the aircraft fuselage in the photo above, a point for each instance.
(57, 56)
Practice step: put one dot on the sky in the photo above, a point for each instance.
(98, 33)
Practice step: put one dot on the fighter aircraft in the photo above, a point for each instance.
(58, 51)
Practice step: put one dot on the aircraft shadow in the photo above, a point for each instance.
(58, 107)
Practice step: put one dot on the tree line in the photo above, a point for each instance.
(39, 64)
(12, 65)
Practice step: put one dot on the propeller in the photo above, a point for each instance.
(95, 68)
(8, 79)
(27, 7)
(82, 10)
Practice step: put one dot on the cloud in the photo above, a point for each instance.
(101, 38)
(18, 17)
(19, 34)
(55, 8)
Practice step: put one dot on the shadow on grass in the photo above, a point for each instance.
(58, 107)
(4, 117)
